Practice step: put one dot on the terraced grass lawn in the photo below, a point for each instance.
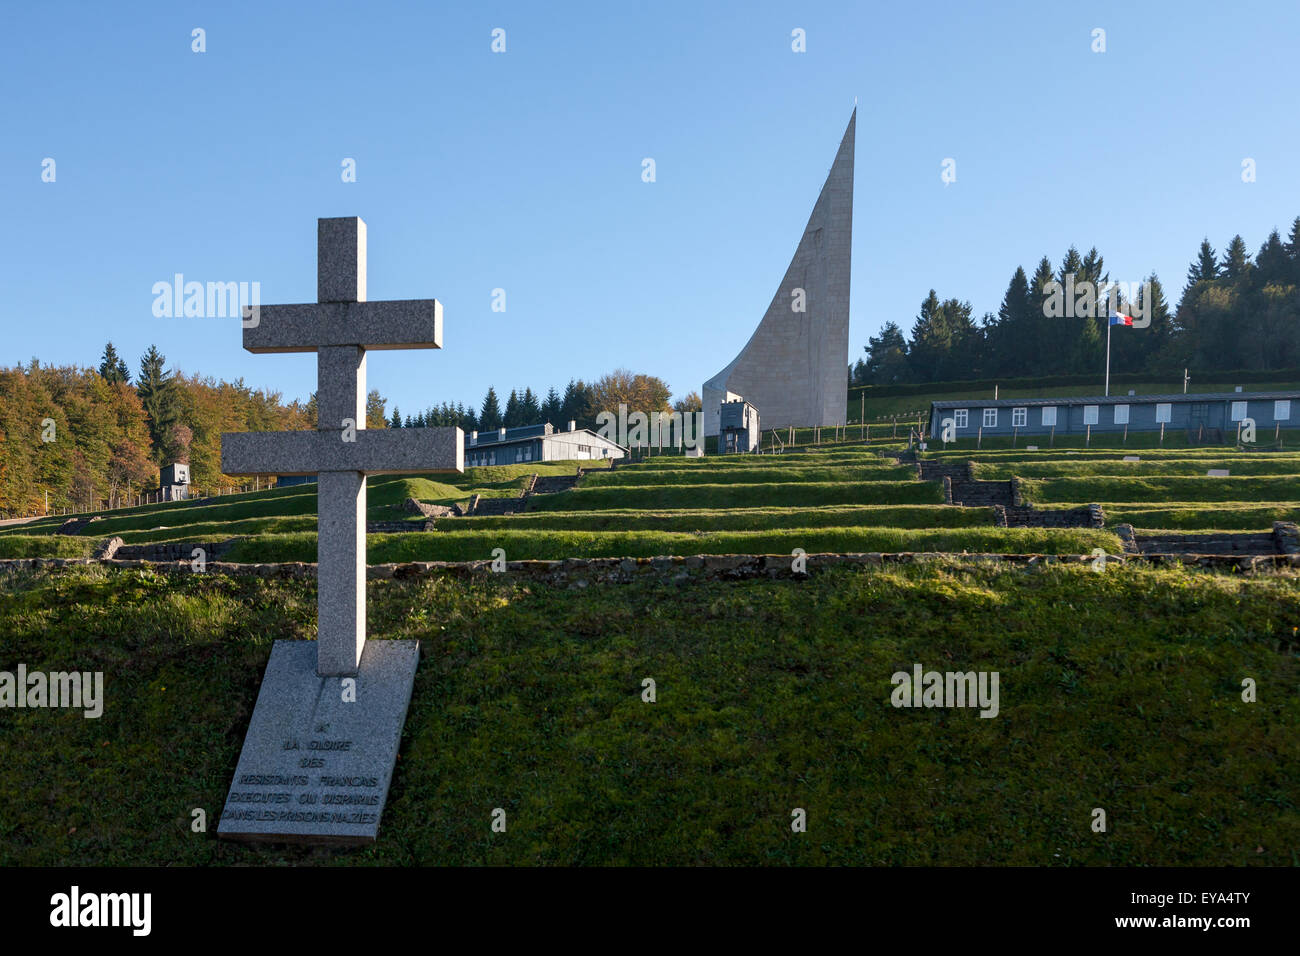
(784, 474)
(220, 530)
(275, 509)
(1195, 516)
(45, 546)
(744, 519)
(1120, 690)
(857, 457)
(1053, 491)
(679, 505)
(557, 545)
(772, 494)
(1058, 468)
(274, 503)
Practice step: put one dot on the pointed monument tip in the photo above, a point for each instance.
(850, 128)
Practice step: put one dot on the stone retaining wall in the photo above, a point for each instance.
(416, 507)
(580, 572)
(397, 527)
(1286, 535)
(75, 525)
(170, 551)
(1027, 516)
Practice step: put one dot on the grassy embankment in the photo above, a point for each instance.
(557, 545)
(1119, 690)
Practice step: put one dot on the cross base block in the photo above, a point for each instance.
(316, 767)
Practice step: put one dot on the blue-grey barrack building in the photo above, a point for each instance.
(512, 446)
(1203, 416)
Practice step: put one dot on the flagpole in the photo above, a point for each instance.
(1108, 354)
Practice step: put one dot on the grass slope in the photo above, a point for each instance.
(789, 473)
(1120, 690)
(1064, 468)
(545, 545)
(1192, 516)
(45, 546)
(1047, 491)
(742, 519)
(772, 494)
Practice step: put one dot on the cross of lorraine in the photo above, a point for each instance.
(340, 327)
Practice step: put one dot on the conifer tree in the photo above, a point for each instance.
(489, 419)
(158, 396)
(511, 417)
(1013, 339)
(1205, 268)
(1293, 251)
(1157, 335)
(1236, 260)
(551, 410)
(570, 405)
(530, 412)
(1071, 265)
(929, 341)
(111, 366)
(887, 357)
(1272, 265)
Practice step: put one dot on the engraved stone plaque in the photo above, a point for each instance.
(317, 763)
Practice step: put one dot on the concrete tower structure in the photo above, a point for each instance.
(794, 369)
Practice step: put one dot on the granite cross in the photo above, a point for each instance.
(340, 328)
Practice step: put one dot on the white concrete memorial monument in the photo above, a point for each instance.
(323, 739)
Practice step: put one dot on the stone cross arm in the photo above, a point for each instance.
(396, 324)
(383, 451)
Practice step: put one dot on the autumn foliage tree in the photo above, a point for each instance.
(85, 439)
(639, 392)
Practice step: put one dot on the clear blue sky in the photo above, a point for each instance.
(522, 170)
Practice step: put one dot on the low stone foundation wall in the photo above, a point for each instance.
(1027, 516)
(397, 527)
(172, 551)
(416, 507)
(75, 525)
(580, 572)
(1286, 535)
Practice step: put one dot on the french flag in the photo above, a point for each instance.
(1118, 318)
